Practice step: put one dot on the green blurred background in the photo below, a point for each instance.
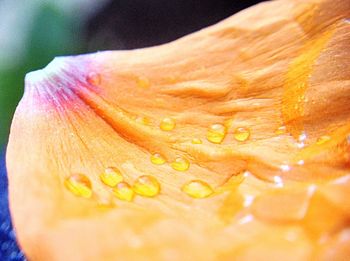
(32, 32)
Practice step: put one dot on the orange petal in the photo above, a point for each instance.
(265, 85)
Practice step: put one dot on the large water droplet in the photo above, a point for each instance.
(123, 191)
(146, 186)
(79, 185)
(111, 176)
(180, 164)
(197, 189)
(216, 133)
(241, 133)
(167, 124)
(157, 159)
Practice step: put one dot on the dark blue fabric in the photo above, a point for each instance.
(8, 247)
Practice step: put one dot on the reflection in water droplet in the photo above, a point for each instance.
(146, 186)
(180, 164)
(167, 124)
(197, 189)
(94, 78)
(79, 185)
(111, 176)
(216, 133)
(246, 219)
(196, 141)
(300, 162)
(323, 139)
(241, 133)
(157, 159)
(123, 191)
(280, 130)
(278, 181)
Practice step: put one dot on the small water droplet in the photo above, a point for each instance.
(197, 189)
(146, 186)
(323, 139)
(167, 124)
(79, 185)
(94, 78)
(216, 133)
(246, 219)
(280, 130)
(196, 141)
(143, 82)
(157, 159)
(111, 176)
(241, 133)
(123, 191)
(302, 137)
(143, 120)
(180, 164)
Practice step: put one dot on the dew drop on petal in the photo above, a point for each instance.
(157, 159)
(197, 189)
(79, 185)
(111, 176)
(94, 78)
(180, 164)
(241, 133)
(216, 133)
(123, 191)
(167, 124)
(146, 186)
(143, 120)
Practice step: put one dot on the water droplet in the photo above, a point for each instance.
(157, 159)
(216, 133)
(300, 162)
(196, 141)
(146, 186)
(79, 185)
(167, 124)
(180, 164)
(241, 134)
(143, 120)
(94, 78)
(246, 219)
(123, 191)
(280, 130)
(323, 139)
(197, 189)
(143, 82)
(302, 137)
(111, 176)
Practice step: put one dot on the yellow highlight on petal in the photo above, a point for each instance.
(79, 185)
(241, 134)
(157, 159)
(123, 191)
(111, 176)
(196, 141)
(197, 189)
(180, 164)
(216, 133)
(167, 124)
(323, 139)
(146, 186)
(280, 130)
